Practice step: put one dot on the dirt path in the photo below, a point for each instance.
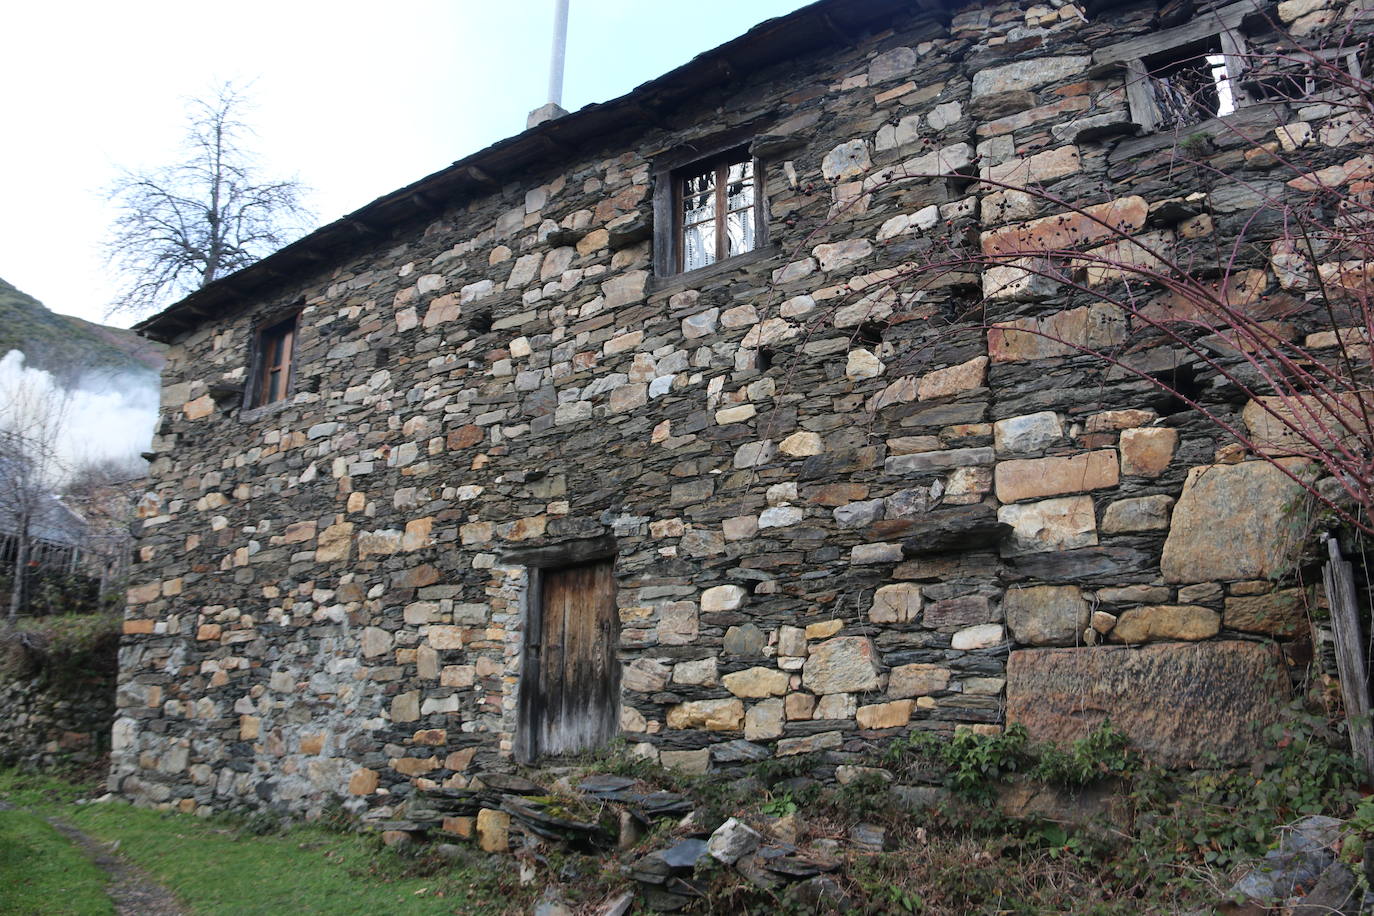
(131, 890)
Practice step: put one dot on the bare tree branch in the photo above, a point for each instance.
(31, 421)
(182, 226)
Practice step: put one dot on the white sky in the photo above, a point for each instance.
(356, 98)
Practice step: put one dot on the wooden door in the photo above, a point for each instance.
(573, 703)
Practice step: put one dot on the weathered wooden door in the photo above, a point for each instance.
(570, 700)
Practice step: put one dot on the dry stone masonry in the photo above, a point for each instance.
(838, 511)
(46, 725)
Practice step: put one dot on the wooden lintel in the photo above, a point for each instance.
(1203, 26)
(568, 553)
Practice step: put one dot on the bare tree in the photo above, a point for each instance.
(106, 492)
(182, 226)
(31, 517)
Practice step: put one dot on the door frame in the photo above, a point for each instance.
(536, 560)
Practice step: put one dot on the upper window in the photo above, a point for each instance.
(275, 346)
(1314, 75)
(1188, 74)
(716, 210)
(1188, 85)
(708, 207)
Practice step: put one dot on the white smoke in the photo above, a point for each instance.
(104, 417)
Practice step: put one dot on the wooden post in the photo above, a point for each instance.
(1350, 658)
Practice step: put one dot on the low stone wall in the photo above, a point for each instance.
(46, 723)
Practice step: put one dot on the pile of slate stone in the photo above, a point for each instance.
(1303, 876)
(667, 878)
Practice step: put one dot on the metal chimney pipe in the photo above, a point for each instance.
(560, 44)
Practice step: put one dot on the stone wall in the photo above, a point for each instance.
(837, 510)
(45, 725)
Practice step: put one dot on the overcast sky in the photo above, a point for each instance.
(355, 98)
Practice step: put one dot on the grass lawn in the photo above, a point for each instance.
(218, 866)
(41, 873)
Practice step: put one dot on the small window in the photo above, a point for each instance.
(716, 210)
(1316, 75)
(1189, 74)
(1189, 85)
(707, 208)
(276, 345)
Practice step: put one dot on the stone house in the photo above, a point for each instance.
(616, 429)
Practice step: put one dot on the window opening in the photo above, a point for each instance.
(1190, 85)
(716, 210)
(276, 347)
(869, 334)
(1320, 74)
(1188, 73)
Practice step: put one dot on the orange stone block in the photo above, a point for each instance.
(395, 837)
(885, 715)
(414, 766)
(1036, 477)
(1070, 230)
(202, 406)
(460, 760)
(465, 437)
(142, 594)
(838, 494)
(1147, 451)
(431, 736)
(249, 728)
(459, 826)
(363, 782)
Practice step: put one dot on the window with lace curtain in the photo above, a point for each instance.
(716, 204)
(708, 206)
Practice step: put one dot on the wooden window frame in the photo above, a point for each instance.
(1227, 26)
(280, 328)
(671, 169)
(719, 167)
(1145, 110)
(1343, 57)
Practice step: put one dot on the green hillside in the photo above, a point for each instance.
(69, 347)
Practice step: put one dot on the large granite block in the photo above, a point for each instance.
(1177, 703)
